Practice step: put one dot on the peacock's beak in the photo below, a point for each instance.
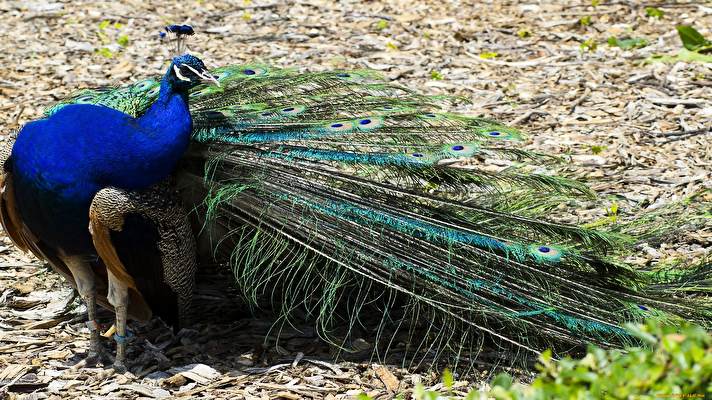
(209, 78)
(204, 75)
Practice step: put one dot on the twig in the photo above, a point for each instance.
(584, 96)
(526, 116)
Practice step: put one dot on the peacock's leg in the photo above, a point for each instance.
(119, 298)
(84, 278)
(113, 223)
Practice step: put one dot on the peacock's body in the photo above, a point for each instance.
(320, 190)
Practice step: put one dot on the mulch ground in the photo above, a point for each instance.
(638, 131)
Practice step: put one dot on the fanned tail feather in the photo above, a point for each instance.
(337, 190)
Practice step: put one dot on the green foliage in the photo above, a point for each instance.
(693, 40)
(585, 20)
(105, 52)
(588, 45)
(104, 32)
(695, 48)
(676, 364)
(598, 149)
(436, 75)
(381, 25)
(595, 3)
(629, 43)
(654, 12)
(123, 40)
(524, 33)
(488, 55)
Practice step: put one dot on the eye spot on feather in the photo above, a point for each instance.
(153, 91)
(431, 116)
(644, 308)
(495, 133)
(369, 123)
(145, 85)
(340, 126)
(458, 147)
(417, 155)
(214, 115)
(201, 92)
(254, 72)
(292, 110)
(222, 75)
(545, 253)
(86, 99)
(343, 75)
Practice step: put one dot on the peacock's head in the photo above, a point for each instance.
(187, 71)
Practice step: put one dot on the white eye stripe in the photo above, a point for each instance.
(179, 75)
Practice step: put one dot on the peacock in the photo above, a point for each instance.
(338, 193)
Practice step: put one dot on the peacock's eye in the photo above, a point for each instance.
(458, 147)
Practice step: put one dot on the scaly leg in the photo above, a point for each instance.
(84, 278)
(119, 298)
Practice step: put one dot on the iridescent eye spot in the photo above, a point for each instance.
(222, 75)
(430, 115)
(292, 110)
(265, 114)
(458, 147)
(84, 99)
(388, 107)
(369, 123)
(343, 75)
(153, 91)
(249, 72)
(199, 93)
(340, 126)
(418, 155)
(145, 85)
(495, 133)
(545, 253)
(644, 308)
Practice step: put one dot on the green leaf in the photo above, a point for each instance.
(105, 52)
(682, 55)
(363, 396)
(448, 379)
(692, 39)
(630, 43)
(598, 149)
(654, 12)
(104, 24)
(502, 380)
(524, 33)
(436, 75)
(381, 25)
(489, 54)
(123, 40)
(585, 20)
(588, 45)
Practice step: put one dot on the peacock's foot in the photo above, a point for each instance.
(96, 353)
(94, 358)
(119, 367)
(121, 343)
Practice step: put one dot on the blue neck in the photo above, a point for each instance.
(170, 107)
